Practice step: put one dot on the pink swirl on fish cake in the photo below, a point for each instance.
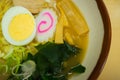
(49, 16)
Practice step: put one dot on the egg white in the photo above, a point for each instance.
(7, 18)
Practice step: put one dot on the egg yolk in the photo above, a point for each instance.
(21, 27)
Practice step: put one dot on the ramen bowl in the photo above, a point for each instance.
(56, 34)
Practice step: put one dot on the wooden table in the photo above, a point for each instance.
(111, 70)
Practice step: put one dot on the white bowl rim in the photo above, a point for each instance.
(106, 41)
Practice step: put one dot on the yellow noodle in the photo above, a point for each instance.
(4, 6)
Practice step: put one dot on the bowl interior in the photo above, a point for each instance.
(92, 15)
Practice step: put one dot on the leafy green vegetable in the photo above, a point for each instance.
(49, 61)
(78, 69)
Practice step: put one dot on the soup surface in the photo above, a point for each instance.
(55, 47)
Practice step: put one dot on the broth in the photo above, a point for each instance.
(74, 31)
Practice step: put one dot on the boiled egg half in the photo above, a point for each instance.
(18, 26)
